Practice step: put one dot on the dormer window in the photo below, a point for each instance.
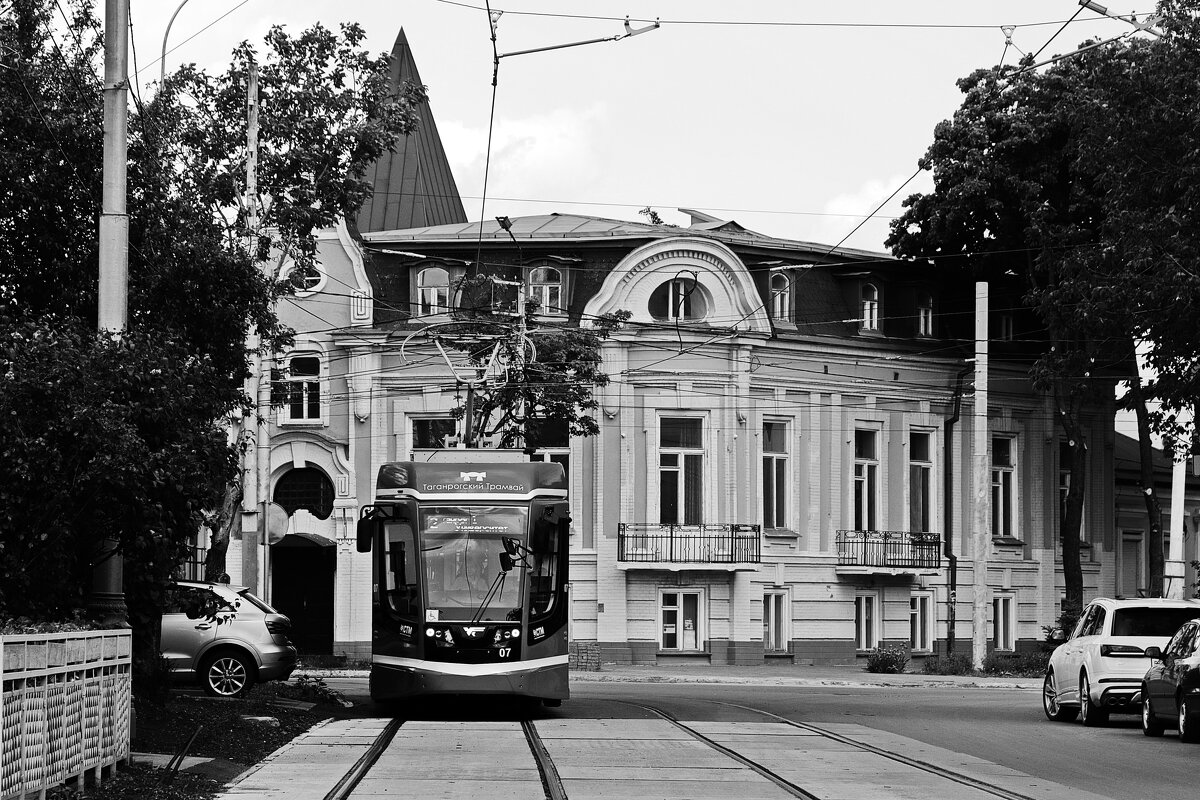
(870, 307)
(545, 288)
(924, 314)
(433, 292)
(679, 299)
(781, 297)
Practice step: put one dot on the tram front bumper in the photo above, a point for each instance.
(412, 678)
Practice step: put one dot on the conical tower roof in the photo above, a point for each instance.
(414, 186)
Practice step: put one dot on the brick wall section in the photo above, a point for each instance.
(583, 656)
(816, 652)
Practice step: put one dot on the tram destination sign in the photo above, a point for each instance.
(470, 478)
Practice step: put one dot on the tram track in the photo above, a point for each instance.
(354, 776)
(796, 790)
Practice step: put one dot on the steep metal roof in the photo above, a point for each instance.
(413, 184)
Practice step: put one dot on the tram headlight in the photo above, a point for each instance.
(516, 633)
(430, 632)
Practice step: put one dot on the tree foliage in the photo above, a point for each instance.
(125, 437)
(550, 369)
(1079, 179)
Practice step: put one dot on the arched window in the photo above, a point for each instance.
(307, 280)
(924, 314)
(301, 387)
(545, 287)
(433, 291)
(306, 488)
(679, 299)
(870, 307)
(781, 297)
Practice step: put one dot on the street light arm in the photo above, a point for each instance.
(162, 61)
(629, 31)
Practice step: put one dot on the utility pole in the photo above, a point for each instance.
(1173, 567)
(107, 599)
(981, 544)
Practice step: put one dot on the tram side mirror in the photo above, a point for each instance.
(506, 561)
(510, 547)
(366, 532)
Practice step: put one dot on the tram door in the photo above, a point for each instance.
(302, 577)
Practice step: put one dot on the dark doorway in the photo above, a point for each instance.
(302, 571)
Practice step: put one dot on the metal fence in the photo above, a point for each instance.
(65, 708)
(896, 549)
(720, 543)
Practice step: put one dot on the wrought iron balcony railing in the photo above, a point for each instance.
(891, 549)
(728, 543)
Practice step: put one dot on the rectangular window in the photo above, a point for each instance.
(432, 433)
(866, 621)
(776, 616)
(303, 389)
(920, 482)
(680, 470)
(681, 627)
(920, 622)
(1004, 487)
(866, 480)
(1064, 487)
(1004, 624)
(775, 483)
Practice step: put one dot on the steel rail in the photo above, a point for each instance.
(551, 780)
(349, 782)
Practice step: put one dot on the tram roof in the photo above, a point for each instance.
(472, 478)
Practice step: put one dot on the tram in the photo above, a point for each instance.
(469, 579)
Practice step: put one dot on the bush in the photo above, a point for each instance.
(890, 660)
(951, 664)
(1021, 665)
(305, 687)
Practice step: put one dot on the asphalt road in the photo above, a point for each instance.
(1003, 726)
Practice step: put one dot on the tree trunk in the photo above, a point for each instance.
(220, 530)
(1154, 543)
(1073, 517)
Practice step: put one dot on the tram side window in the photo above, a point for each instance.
(401, 570)
(544, 572)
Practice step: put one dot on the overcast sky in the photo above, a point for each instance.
(797, 119)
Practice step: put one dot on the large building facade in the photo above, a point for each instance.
(784, 469)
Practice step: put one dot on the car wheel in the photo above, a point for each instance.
(1151, 726)
(1189, 726)
(1054, 711)
(227, 674)
(1092, 715)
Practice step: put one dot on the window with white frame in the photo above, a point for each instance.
(866, 620)
(1004, 623)
(433, 291)
(776, 619)
(680, 470)
(433, 432)
(870, 307)
(302, 389)
(682, 624)
(924, 314)
(920, 481)
(775, 474)
(681, 298)
(1004, 487)
(920, 621)
(554, 446)
(866, 480)
(546, 288)
(781, 297)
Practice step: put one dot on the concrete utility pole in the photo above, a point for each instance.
(107, 599)
(1174, 567)
(981, 534)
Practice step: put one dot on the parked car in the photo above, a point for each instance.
(224, 637)
(1099, 669)
(1171, 687)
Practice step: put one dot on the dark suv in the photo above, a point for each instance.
(225, 637)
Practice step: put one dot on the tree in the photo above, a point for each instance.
(1082, 179)
(550, 370)
(125, 437)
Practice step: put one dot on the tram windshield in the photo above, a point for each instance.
(460, 550)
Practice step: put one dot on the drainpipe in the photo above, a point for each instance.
(948, 494)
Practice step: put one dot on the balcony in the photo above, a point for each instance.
(888, 553)
(728, 547)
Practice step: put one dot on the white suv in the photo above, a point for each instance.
(1099, 669)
